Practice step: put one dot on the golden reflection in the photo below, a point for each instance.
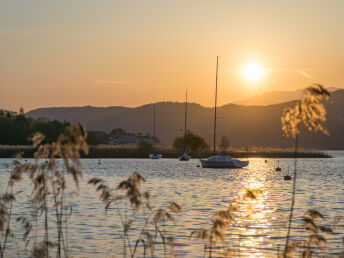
(253, 216)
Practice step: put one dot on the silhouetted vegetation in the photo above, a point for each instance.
(224, 144)
(16, 129)
(97, 137)
(190, 142)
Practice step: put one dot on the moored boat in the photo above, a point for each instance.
(185, 157)
(223, 162)
(220, 161)
(155, 156)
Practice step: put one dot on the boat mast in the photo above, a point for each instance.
(154, 121)
(186, 113)
(217, 66)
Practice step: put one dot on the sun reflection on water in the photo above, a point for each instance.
(254, 214)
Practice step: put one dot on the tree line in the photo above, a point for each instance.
(17, 129)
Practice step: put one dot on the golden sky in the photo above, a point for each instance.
(129, 53)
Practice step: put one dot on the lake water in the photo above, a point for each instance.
(259, 227)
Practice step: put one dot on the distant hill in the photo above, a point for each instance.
(274, 97)
(243, 125)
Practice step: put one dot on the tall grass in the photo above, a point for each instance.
(311, 113)
(131, 197)
(127, 204)
(48, 189)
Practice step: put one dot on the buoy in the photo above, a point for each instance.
(278, 167)
(287, 178)
(266, 161)
(99, 161)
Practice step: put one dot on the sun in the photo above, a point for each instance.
(253, 72)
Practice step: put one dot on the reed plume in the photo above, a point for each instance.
(49, 184)
(154, 222)
(310, 112)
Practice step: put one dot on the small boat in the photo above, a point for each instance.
(220, 161)
(155, 156)
(184, 157)
(223, 162)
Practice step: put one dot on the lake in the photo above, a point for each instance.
(259, 225)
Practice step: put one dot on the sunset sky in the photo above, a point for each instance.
(129, 53)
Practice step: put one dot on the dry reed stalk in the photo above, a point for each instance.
(137, 200)
(310, 112)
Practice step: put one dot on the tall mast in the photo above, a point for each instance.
(186, 111)
(154, 121)
(217, 68)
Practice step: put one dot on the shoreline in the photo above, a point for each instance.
(112, 152)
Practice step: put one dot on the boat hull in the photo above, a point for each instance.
(223, 164)
(184, 157)
(155, 156)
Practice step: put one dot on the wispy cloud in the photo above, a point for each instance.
(111, 82)
(291, 71)
(307, 75)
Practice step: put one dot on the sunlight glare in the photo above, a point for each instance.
(252, 72)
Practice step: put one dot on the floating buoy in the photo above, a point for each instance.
(278, 167)
(287, 178)
(266, 161)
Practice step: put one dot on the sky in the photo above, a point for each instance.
(130, 53)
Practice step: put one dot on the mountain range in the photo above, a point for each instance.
(275, 97)
(243, 125)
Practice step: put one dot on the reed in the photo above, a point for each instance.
(130, 197)
(127, 203)
(48, 188)
(310, 112)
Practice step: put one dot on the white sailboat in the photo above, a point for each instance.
(185, 156)
(219, 161)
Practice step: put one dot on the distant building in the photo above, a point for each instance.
(130, 138)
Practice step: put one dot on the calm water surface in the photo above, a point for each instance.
(259, 227)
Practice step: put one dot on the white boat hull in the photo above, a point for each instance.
(223, 162)
(209, 164)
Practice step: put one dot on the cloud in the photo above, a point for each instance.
(307, 75)
(290, 71)
(111, 82)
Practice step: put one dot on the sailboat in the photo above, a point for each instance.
(185, 156)
(154, 155)
(219, 161)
